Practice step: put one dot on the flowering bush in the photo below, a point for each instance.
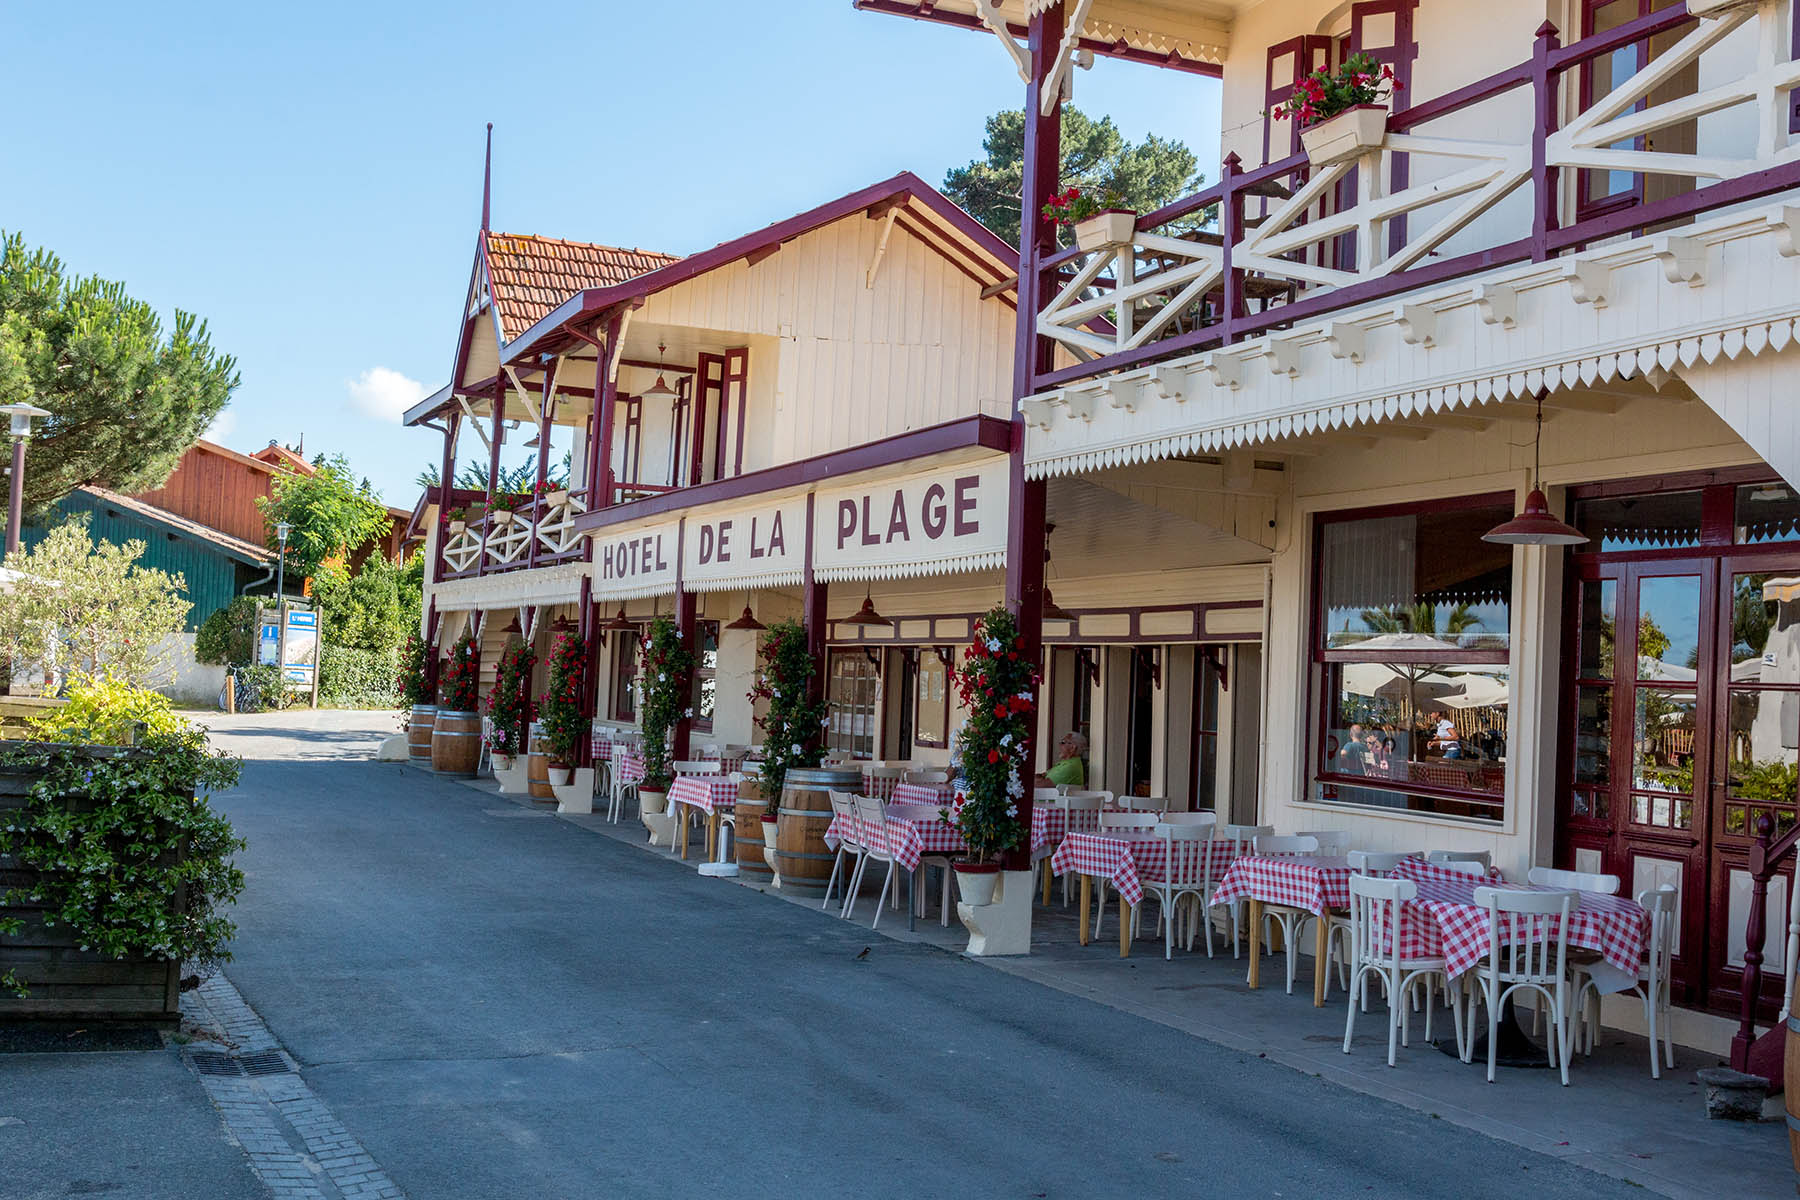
(507, 701)
(792, 722)
(560, 712)
(1324, 94)
(666, 676)
(1072, 205)
(459, 683)
(996, 685)
(415, 673)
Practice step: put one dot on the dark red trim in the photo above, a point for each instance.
(988, 433)
(925, 10)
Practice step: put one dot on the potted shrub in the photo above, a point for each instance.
(507, 703)
(1099, 221)
(995, 684)
(791, 718)
(1341, 114)
(459, 519)
(665, 676)
(553, 494)
(559, 715)
(112, 789)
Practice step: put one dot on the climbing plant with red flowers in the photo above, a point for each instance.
(793, 719)
(666, 675)
(508, 697)
(459, 683)
(997, 684)
(559, 714)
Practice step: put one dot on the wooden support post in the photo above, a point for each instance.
(1543, 180)
(813, 593)
(499, 435)
(546, 408)
(600, 448)
(446, 488)
(585, 627)
(686, 606)
(1756, 929)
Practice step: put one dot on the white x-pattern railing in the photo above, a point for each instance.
(503, 542)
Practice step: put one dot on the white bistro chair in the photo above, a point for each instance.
(1188, 847)
(1377, 917)
(872, 817)
(1110, 820)
(1443, 857)
(1242, 839)
(850, 845)
(1333, 843)
(1072, 804)
(1652, 984)
(1576, 881)
(1292, 920)
(1525, 954)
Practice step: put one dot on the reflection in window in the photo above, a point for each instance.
(706, 672)
(1668, 628)
(1417, 582)
(931, 725)
(1653, 522)
(1599, 608)
(1767, 512)
(1663, 736)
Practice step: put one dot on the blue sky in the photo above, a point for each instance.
(308, 177)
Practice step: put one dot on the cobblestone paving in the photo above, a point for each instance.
(294, 1143)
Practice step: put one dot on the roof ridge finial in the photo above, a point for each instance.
(487, 178)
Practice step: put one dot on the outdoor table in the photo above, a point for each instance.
(911, 832)
(1124, 856)
(1315, 883)
(711, 794)
(602, 747)
(935, 795)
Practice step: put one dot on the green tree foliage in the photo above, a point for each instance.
(512, 480)
(1096, 157)
(126, 396)
(228, 636)
(410, 584)
(361, 611)
(331, 514)
(91, 608)
(350, 678)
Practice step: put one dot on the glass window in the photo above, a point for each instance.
(1660, 521)
(1767, 512)
(1413, 684)
(931, 695)
(852, 697)
(706, 673)
(624, 672)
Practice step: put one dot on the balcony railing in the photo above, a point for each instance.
(538, 534)
(1334, 236)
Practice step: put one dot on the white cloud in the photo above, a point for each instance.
(384, 393)
(222, 427)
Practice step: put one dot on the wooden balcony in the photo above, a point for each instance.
(541, 533)
(1291, 241)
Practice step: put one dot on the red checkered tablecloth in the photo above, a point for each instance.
(935, 795)
(1050, 823)
(910, 833)
(1313, 882)
(631, 766)
(1127, 857)
(602, 747)
(1614, 926)
(704, 792)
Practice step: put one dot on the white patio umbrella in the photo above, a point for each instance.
(1477, 691)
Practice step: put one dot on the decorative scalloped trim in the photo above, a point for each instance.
(955, 565)
(733, 583)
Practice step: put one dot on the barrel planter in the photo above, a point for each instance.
(418, 734)
(752, 863)
(804, 815)
(66, 981)
(455, 743)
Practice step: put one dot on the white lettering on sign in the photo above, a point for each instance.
(953, 516)
(745, 546)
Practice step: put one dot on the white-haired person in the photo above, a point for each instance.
(1070, 770)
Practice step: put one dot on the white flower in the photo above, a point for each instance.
(1006, 739)
(688, 713)
(994, 645)
(1012, 810)
(660, 677)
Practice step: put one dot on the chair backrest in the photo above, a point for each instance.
(1105, 798)
(1127, 820)
(1189, 863)
(1484, 857)
(1376, 915)
(1528, 934)
(695, 767)
(1660, 904)
(897, 765)
(872, 816)
(1580, 881)
(1369, 862)
(1471, 867)
(1048, 793)
(1157, 804)
(928, 776)
(1078, 803)
(1294, 844)
(1244, 836)
(843, 805)
(1203, 820)
(1331, 841)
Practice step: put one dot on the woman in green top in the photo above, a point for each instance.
(1070, 770)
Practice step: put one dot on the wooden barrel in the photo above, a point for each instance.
(537, 771)
(1791, 1078)
(748, 837)
(418, 734)
(455, 743)
(801, 821)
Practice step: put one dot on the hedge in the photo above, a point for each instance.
(358, 678)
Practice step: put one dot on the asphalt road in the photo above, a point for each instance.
(497, 1004)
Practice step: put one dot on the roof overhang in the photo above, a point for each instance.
(1182, 35)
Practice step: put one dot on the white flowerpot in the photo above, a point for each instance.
(553, 499)
(503, 762)
(976, 887)
(1351, 133)
(458, 526)
(502, 519)
(559, 776)
(652, 802)
(1111, 227)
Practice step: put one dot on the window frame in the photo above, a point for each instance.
(622, 698)
(703, 674)
(1325, 782)
(946, 658)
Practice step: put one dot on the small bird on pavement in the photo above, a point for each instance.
(863, 955)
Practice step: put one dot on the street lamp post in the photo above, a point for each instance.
(282, 528)
(22, 415)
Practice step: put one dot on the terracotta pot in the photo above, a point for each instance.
(975, 882)
(1349, 134)
(1108, 227)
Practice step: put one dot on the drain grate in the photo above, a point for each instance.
(262, 1062)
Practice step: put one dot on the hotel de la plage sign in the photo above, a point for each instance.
(935, 522)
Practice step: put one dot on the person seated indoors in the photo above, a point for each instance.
(1070, 770)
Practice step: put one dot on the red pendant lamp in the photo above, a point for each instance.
(866, 615)
(747, 621)
(1536, 525)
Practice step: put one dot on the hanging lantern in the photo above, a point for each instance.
(747, 621)
(866, 615)
(619, 623)
(660, 390)
(1053, 611)
(1536, 525)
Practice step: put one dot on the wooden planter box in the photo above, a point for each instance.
(68, 983)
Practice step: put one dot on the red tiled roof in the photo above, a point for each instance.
(530, 275)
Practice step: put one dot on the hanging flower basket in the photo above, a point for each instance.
(556, 499)
(1350, 134)
(1106, 228)
(458, 526)
(502, 517)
